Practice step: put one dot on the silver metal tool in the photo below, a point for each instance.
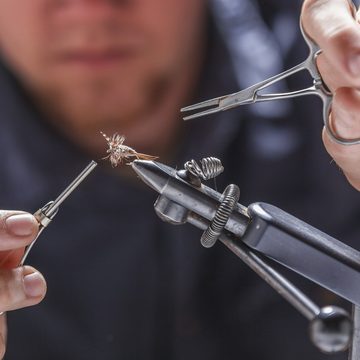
(252, 94)
(263, 231)
(355, 346)
(46, 214)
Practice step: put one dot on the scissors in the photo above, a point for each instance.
(46, 214)
(251, 94)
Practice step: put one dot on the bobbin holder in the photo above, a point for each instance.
(261, 231)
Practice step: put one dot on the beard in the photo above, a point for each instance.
(106, 102)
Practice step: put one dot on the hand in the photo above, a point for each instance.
(333, 26)
(19, 286)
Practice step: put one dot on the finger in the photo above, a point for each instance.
(331, 147)
(330, 23)
(3, 335)
(345, 115)
(17, 229)
(332, 77)
(11, 259)
(21, 287)
(345, 124)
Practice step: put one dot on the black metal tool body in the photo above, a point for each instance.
(304, 249)
(263, 227)
(260, 231)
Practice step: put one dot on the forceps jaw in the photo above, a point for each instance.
(215, 104)
(222, 103)
(203, 104)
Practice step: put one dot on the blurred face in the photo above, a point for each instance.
(99, 61)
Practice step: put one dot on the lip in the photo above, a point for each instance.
(98, 58)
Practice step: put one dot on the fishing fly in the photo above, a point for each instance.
(118, 152)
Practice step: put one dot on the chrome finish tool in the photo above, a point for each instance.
(47, 213)
(253, 93)
(258, 232)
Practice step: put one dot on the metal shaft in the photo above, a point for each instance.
(59, 200)
(258, 264)
(354, 353)
(47, 212)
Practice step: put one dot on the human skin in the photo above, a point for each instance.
(337, 31)
(113, 65)
(19, 286)
(123, 65)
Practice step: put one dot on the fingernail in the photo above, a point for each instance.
(34, 285)
(354, 64)
(21, 224)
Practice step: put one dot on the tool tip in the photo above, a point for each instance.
(187, 108)
(151, 173)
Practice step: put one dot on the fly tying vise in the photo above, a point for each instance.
(251, 94)
(260, 232)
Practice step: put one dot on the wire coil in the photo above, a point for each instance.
(231, 197)
(210, 168)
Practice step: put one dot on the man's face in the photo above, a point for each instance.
(99, 60)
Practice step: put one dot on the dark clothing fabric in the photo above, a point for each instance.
(124, 285)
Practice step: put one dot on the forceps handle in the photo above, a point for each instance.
(324, 93)
(308, 64)
(251, 95)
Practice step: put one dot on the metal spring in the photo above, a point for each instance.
(210, 168)
(211, 234)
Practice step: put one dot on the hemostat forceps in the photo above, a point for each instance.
(46, 214)
(251, 94)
